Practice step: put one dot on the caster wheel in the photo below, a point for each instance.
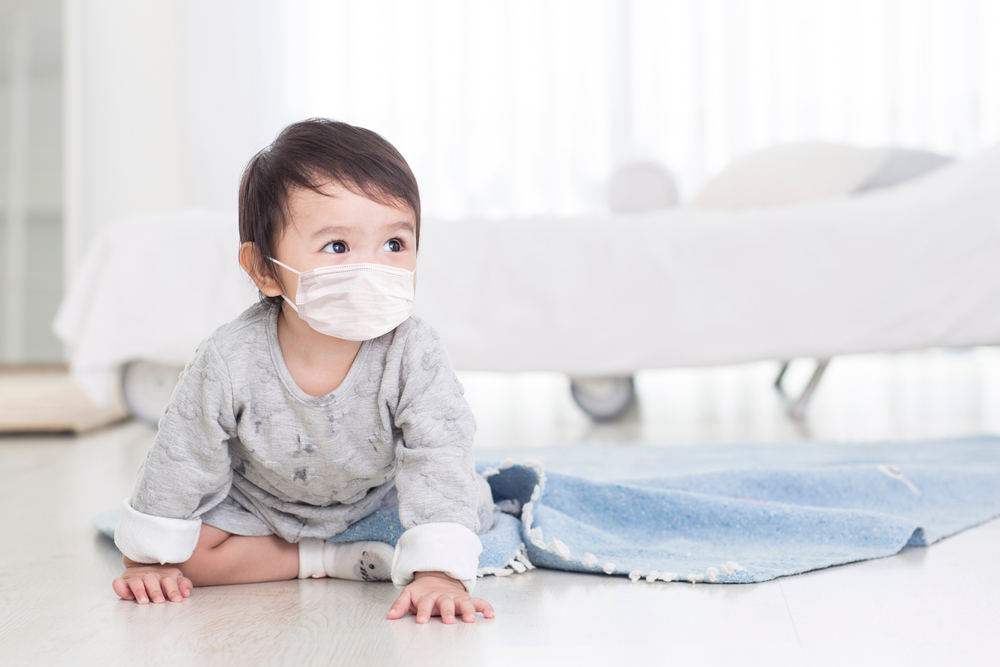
(147, 388)
(604, 399)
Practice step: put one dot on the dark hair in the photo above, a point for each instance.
(310, 154)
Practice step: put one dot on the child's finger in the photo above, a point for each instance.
(425, 608)
(138, 589)
(446, 608)
(467, 610)
(153, 587)
(121, 588)
(185, 586)
(400, 606)
(483, 606)
(170, 589)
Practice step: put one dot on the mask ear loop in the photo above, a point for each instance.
(298, 273)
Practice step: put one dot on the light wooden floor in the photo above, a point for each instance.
(934, 606)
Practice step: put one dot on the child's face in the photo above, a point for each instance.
(341, 227)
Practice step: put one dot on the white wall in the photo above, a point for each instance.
(126, 115)
(45, 191)
(31, 190)
(43, 269)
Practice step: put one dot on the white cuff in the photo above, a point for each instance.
(155, 539)
(437, 547)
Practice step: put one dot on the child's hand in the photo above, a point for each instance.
(142, 583)
(437, 594)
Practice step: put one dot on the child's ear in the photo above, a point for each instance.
(252, 263)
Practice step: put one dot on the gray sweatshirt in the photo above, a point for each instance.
(244, 449)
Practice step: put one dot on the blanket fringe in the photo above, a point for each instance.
(517, 564)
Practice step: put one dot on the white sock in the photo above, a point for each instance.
(358, 561)
(311, 558)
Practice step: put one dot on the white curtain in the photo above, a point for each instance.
(524, 107)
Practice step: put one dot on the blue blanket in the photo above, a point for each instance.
(722, 514)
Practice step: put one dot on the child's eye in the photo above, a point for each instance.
(336, 247)
(393, 245)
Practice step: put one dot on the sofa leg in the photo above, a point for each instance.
(797, 406)
(781, 374)
(604, 399)
(147, 388)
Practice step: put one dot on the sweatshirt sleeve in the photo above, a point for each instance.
(187, 471)
(439, 494)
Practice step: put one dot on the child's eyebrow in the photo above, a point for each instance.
(404, 225)
(331, 229)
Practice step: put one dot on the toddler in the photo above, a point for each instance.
(320, 405)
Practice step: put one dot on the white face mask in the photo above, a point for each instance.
(353, 301)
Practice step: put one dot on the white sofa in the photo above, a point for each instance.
(898, 268)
